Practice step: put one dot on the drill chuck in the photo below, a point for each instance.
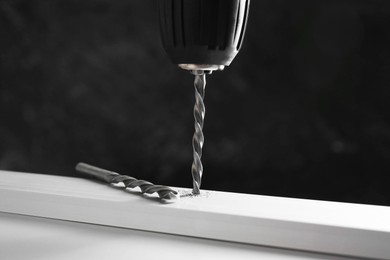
(202, 34)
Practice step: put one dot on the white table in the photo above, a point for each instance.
(53, 217)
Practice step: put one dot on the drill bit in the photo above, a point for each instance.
(198, 138)
(164, 192)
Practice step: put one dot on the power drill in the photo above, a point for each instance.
(202, 36)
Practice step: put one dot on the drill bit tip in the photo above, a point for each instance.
(165, 193)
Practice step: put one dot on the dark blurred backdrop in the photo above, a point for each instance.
(303, 110)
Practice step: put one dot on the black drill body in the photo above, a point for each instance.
(202, 31)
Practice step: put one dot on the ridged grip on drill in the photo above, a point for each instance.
(202, 31)
(163, 192)
(198, 138)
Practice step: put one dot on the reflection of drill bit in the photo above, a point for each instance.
(198, 138)
(164, 192)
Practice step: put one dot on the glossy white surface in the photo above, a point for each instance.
(327, 227)
(31, 238)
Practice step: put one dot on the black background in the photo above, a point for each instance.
(302, 111)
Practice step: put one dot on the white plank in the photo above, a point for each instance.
(319, 226)
(26, 238)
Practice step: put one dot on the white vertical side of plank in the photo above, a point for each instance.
(318, 226)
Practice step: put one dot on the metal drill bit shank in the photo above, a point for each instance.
(164, 192)
(198, 138)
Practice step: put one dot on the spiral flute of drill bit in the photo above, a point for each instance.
(110, 177)
(198, 138)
